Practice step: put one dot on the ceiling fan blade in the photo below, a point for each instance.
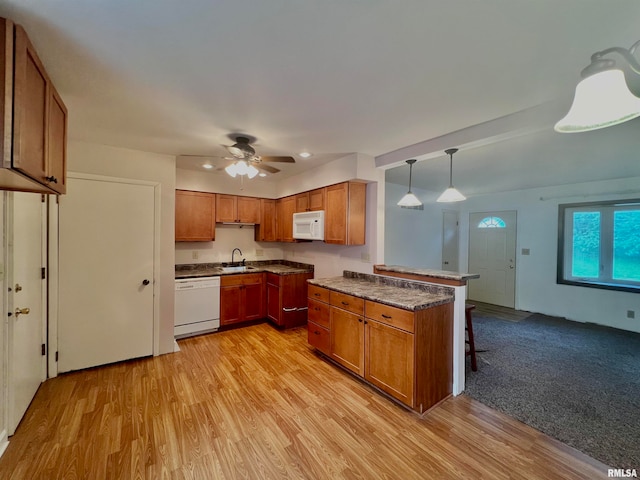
(277, 159)
(267, 168)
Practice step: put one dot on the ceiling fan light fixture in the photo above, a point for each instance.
(410, 200)
(603, 97)
(252, 171)
(305, 154)
(451, 194)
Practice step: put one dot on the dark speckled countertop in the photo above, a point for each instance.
(428, 273)
(279, 267)
(396, 292)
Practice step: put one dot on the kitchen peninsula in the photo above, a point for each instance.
(458, 282)
(395, 334)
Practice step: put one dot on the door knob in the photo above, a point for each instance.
(145, 282)
(21, 311)
(18, 287)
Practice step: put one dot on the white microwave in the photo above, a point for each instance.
(308, 225)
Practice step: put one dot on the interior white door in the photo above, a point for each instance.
(27, 367)
(450, 243)
(106, 272)
(492, 254)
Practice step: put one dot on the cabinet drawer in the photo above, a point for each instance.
(319, 313)
(318, 293)
(319, 337)
(241, 279)
(396, 317)
(347, 302)
(273, 278)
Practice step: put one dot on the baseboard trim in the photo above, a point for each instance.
(4, 442)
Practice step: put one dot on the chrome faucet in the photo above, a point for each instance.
(233, 252)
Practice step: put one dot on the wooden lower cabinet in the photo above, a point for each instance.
(287, 299)
(242, 298)
(406, 354)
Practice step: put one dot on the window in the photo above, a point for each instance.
(599, 245)
(492, 222)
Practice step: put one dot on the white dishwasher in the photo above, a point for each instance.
(197, 308)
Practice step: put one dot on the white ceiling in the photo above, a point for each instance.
(330, 76)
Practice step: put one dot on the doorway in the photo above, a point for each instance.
(492, 254)
(450, 241)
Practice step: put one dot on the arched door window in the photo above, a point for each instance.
(492, 222)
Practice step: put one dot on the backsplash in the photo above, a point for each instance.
(228, 237)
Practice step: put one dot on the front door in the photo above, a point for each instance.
(27, 367)
(106, 272)
(492, 254)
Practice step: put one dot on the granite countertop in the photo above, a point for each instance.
(425, 272)
(395, 292)
(279, 267)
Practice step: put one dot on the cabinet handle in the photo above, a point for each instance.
(360, 320)
(317, 294)
(51, 179)
(345, 303)
(386, 316)
(303, 308)
(289, 309)
(366, 323)
(317, 332)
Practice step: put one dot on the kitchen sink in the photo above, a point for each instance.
(239, 269)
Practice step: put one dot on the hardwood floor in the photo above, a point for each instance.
(497, 311)
(258, 403)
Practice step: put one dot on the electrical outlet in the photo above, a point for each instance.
(365, 257)
(195, 254)
(631, 314)
(526, 251)
(259, 252)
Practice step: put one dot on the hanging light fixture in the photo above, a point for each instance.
(602, 97)
(451, 194)
(410, 200)
(241, 168)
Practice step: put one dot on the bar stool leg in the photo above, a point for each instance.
(469, 328)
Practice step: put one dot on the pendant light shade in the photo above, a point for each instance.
(410, 200)
(451, 194)
(241, 168)
(603, 97)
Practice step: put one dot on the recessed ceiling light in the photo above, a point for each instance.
(208, 166)
(305, 154)
(262, 174)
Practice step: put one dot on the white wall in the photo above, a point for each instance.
(536, 287)
(413, 237)
(123, 163)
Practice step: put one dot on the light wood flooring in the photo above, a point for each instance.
(497, 311)
(257, 403)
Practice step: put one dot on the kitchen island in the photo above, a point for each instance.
(458, 282)
(395, 334)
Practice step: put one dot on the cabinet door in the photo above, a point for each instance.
(253, 301)
(285, 218)
(389, 360)
(195, 216)
(230, 305)
(226, 208)
(316, 199)
(57, 143)
(248, 209)
(347, 339)
(266, 231)
(29, 110)
(302, 202)
(273, 303)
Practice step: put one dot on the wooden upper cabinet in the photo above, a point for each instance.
(235, 209)
(195, 216)
(316, 199)
(345, 205)
(286, 207)
(34, 117)
(310, 201)
(266, 230)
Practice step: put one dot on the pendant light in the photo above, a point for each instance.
(410, 200)
(241, 168)
(602, 97)
(451, 194)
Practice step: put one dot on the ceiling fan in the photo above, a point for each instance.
(243, 151)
